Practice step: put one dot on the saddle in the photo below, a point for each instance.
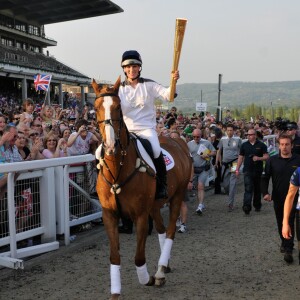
(145, 155)
(145, 152)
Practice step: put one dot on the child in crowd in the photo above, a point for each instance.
(27, 116)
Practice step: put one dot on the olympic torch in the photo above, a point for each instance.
(179, 34)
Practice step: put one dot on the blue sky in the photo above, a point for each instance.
(255, 40)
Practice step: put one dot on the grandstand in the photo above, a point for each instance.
(23, 47)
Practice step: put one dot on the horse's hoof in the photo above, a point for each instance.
(115, 297)
(151, 281)
(167, 270)
(160, 281)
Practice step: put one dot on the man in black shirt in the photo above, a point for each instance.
(281, 167)
(252, 153)
(292, 131)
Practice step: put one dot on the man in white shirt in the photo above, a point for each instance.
(228, 153)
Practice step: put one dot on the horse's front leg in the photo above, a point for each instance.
(140, 258)
(163, 262)
(166, 238)
(110, 221)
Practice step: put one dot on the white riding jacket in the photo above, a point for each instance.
(139, 111)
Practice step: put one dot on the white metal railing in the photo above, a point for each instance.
(53, 205)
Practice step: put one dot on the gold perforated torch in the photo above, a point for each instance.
(179, 34)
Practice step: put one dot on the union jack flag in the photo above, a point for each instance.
(168, 161)
(42, 82)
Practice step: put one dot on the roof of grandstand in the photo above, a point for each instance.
(55, 11)
(34, 60)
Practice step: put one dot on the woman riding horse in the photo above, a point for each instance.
(137, 96)
(123, 188)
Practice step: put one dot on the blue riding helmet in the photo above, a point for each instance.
(131, 57)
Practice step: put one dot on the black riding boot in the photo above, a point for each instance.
(161, 177)
(126, 227)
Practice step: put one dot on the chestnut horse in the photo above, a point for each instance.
(124, 190)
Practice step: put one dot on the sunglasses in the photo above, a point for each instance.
(250, 134)
(34, 134)
(196, 136)
(16, 118)
(37, 125)
(51, 141)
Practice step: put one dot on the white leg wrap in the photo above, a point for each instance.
(166, 253)
(161, 239)
(143, 274)
(115, 279)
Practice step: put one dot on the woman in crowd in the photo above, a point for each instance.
(21, 145)
(65, 133)
(54, 147)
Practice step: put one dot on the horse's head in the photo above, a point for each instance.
(109, 114)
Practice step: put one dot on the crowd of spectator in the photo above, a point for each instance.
(75, 129)
(212, 129)
(31, 131)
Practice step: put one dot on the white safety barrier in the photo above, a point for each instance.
(50, 186)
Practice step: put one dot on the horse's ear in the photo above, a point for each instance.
(95, 86)
(117, 84)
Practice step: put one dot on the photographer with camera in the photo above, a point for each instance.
(252, 154)
(80, 141)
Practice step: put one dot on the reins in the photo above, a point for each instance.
(115, 188)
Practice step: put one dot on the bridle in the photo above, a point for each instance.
(109, 122)
(118, 144)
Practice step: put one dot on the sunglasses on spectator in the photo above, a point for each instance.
(16, 118)
(37, 125)
(34, 134)
(196, 136)
(51, 141)
(250, 134)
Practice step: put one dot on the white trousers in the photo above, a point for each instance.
(151, 136)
